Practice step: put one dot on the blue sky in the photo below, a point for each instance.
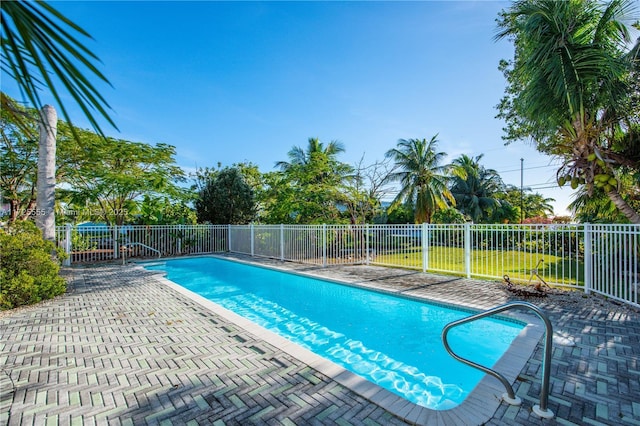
(245, 81)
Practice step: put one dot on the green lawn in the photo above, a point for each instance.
(489, 263)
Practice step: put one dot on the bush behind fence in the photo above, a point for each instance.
(599, 258)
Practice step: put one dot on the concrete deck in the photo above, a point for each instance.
(124, 346)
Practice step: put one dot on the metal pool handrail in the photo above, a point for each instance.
(510, 397)
(138, 244)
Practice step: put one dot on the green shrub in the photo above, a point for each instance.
(28, 272)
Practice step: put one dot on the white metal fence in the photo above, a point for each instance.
(598, 258)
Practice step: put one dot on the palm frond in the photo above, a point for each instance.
(39, 50)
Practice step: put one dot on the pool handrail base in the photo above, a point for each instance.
(510, 397)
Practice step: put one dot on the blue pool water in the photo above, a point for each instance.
(391, 341)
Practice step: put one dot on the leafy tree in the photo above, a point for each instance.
(164, 211)
(448, 216)
(505, 213)
(534, 204)
(112, 174)
(475, 188)
(422, 177)
(18, 163)
(278, 202)
(226, 199)
(401, 213)
(572, 88)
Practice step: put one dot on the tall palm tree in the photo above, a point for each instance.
(570, 86)
(422, 178)
(46, 189)
(298, 156)
(536, 205)
(318, 160)
(316, 178)
(475, 188)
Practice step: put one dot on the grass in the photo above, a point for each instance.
(489, 263)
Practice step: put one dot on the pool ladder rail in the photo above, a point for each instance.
(510, 397)
(141, 245)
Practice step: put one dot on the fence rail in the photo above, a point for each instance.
(595, 258)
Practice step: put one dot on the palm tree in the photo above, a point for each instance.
(46, 183)
(422, 178)
(319, 161)
(315, 178)
(474, 188)
(298, 156)
(570, 86)
(536, 205)
(598, 208)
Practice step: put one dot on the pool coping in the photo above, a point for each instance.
(479, 406)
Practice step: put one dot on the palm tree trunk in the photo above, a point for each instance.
(623, 206)
(45, 197)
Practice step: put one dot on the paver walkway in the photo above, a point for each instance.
(122, 348)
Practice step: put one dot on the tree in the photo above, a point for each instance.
(315, 152)
(161, 210)
(364, 190)
(226, 199)
(598, 208)
(572, 88)
(308, 188)
(18, 163)
(110, 175)
(422, 177)
(448, 216)
(38, 48)
(475, 188)
(533, 204)
(46, 190)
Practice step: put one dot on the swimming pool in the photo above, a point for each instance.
(391, 341)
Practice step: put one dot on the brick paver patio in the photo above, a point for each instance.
(121, 347)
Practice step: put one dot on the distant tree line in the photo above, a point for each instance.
(117, 181)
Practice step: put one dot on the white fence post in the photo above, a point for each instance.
(424, 237)
(67, 244)
(588, 258)
(366, 244)
(252, 242)
(467, 249)
(324, 245)
(282, 242)
(229, 236)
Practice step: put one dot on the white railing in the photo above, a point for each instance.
(612, 269)
(100, 243)
(596, 258)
